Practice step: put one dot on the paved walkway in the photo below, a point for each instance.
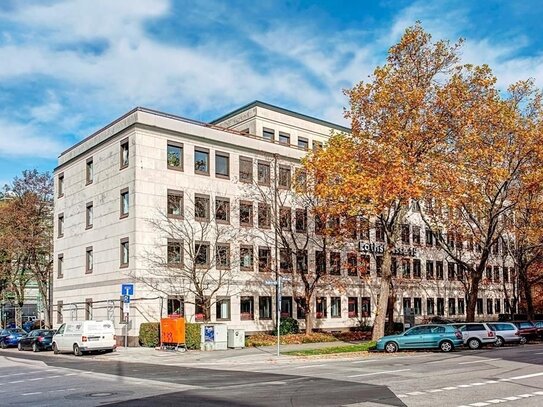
(228, 357)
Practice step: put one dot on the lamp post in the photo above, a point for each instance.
(279, 284)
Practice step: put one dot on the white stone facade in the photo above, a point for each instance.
(88, 252)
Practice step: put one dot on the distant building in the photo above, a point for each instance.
(111, 185)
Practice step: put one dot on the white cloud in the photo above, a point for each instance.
(18, 140)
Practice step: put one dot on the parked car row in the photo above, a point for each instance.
(74, 336)
(473, 335)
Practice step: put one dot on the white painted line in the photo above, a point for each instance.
(364, 361)
(526, 376)
(538, 353)
(16, 381)
(477, 384)
(491, 381)
(70, 374)
(538, 393)
(34, 379)
(525, 396)
(381, 372)
(512, 398)
(415, 393)
(435, 391)
(307, 367)
(31, 394)
(480, 404)
(402, 395)
(477, 361)
(505, 380)
(54, 391)
(449, 388)
(54, 377)
(464, 385)
(496, 401)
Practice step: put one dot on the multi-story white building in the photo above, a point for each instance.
(113, 187)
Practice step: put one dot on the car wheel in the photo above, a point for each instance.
(474, 343)
(523, 340)
(499, 342)
(446, 346)
(77, 351)
(55, 349)
(3, 345)
(35, 347)
(391, 347)
(19, 346)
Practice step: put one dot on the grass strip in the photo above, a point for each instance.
(360, 347)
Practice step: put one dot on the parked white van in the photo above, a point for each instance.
(85, 336)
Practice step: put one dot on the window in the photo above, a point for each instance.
(201, 161)
(264, 307)
(406, 268)
(89, 215)
(268, 134)
(222, 165)
(406, 306)
(175, 254)
(479, 306)
(284, 138)
(285, 218)
(245, 169)
(488, 273)
(352, 307)
(175, 204)
(416, 235)
(200, 310)
(452, 306)
(450, 271)
(365, 307)
(461, 308)
(286, 307)
(505, 275)
(394, 266)
(417, 304)
(222, 256)
(321, 310)
(300, 308)
(335, 307)
(405, 234)
(59, 312)
(124, 154)
(365, 264)
(201, 208)
(415, 205)
(285, 260)
(223, 309)
(88, 260)
(496, 274)
(429, 269)
(430, 306)
(264, 216)
(303, 143)
(175, 156)
(489, 308)
(264, 259)
(88, 309)
(60, 224)
(176, 306)
(301, 261)
(498, 307)
(60, 266)
(284, 177)
(416, 268)
(263, 173)
(317, 145)
(319, 224)
(246, 258)
(60, 188)
(301, 220)
(379, 232)
(201, 254)
(440, 306)
(125, 252)
(429, 237)
(89, 171)
(124, 203)
(439, 270)
(246, 213)
(352, 264)
(222, 210)
(247, 308)
(320, 262)
(335, 263)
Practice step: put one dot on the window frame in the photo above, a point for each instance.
(205, 151)
(124, 243)
(222, 154)
(124, 146)
(207, 254)
(172, 243)
(218, 201)
(279, 176)
(251, 250)
(60, 185)
(249, 178)
(89, 255)
(89, 220)
(304, 141)
(267, 180)
(218, 264)
(179, 194)
(60, 225)
(250, 222)
(181, 165)
(207, 207)
(89, 171)
(125, 192)
(60, 265)
(285, 136)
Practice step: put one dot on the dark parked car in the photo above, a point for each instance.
(526, 329)
(10, 337)
(36, 340)
(539, 326)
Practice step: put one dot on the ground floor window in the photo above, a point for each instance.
(286, 307)
(406, 305)
(246, 308)
(461, 306)
(300, 308)
(452, 306)
(265, 307)
(498, 307)
(365, 306)
(440, 306)
(417, 302)
(430, 306)
(223, 308)
(353, 307)
(479, 306)
(321, 307)
(335, 307)
(199, 310)
(489, 308)
(176, 306)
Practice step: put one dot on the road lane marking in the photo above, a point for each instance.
(481, 404)
(31, 394)
(526, 376)
(449, 388)
(16, 381)
(381, 372)
(307, 367)
(364, 361)
(478, 361)
(415, 393)
(34, 379)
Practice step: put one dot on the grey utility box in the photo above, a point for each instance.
(236, 338)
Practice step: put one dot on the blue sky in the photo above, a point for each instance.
(70, 67)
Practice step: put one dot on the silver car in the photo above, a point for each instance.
(506, 332)
(476, 334)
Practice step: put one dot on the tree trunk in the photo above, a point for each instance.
(308, 315)
(19, 315)
(390, 309)
(472, 295)
(44, 293)
(382, 302)
(527, 292)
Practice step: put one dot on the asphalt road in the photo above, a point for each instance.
(507, 376)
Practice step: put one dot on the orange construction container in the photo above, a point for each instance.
(172, 331)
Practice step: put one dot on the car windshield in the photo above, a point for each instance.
(18, 331)
(526, 325)
(49, 332)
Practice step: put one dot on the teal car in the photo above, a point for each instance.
(444, 337)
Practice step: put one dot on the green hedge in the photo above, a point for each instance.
(193, 336)
(288, 326)
(149, 334)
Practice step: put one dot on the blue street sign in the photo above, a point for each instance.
(127, 289)
(126, 299)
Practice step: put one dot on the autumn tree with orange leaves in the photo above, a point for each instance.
(396, 136)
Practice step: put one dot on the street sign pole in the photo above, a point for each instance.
(279, 284)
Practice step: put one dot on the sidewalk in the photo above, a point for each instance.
(246, 356)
